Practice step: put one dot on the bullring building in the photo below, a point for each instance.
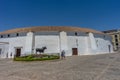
(73, 40)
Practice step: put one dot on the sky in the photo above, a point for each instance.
(95, 14)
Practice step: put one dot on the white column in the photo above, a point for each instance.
(29, 43)
(63, 41)
(92, 41)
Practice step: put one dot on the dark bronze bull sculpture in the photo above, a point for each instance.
(41, 50)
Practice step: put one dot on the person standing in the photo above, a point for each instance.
(63, 54)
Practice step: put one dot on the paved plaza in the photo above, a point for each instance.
(93, 67)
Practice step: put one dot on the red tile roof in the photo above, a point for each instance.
(50, 28)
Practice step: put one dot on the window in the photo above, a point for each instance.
(116, 36)
(116, 40)
(17, 34)
(1, 36)
(116, 44)
(8, 35)
(76, 34)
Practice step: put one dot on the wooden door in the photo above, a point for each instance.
(18, 52)
(74, 51)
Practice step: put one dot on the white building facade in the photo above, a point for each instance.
(73, 40)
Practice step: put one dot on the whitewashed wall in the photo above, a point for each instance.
(100, 45)
(51, 42)
(14, 42)
(4, 50)
(87, 43)
(29, 43)
(90, 44)
(103, 42)
(17, 43)
(77, 42)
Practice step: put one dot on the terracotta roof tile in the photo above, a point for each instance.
(50, 28)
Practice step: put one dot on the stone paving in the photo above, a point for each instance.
(90, 67)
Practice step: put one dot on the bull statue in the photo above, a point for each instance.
(41, 50)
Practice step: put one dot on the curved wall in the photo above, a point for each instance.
(86, 43)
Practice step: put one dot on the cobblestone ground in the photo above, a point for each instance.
(95, 67)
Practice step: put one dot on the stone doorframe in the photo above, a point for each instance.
(17, 51)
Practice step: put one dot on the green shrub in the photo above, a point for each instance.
(34, 58)
(29, 57)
